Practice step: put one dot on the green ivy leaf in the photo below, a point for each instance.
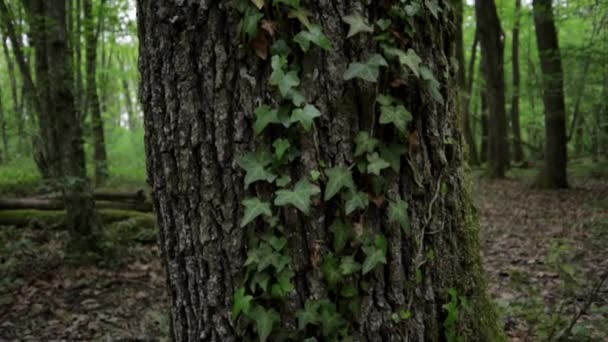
(284, 80)
(356, 24)
(392, 154)
(409, 58)
(369, 71)
(397, 213)
(302, 15)
(261, 280)
(349, 291)
(251, 20)
(254, 208)
(376, 164)
(331, 321)
(349, 266)
(433, 84)
(281, 146)
(255, 164)
(365, 143)
(264, 116)
(284, 286)
(396, 115)
(339, 177)
(277, 243)
(309, 315)
(291, 3)
(342, 234)
(314, 35)
(264, 321)
(242, 303)
(299, 197)
(433, 6)
(375, 257)
(356, 200)
(331, 270)
(305, 116)
(283, 181)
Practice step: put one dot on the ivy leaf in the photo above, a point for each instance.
(264, 321)
(291, 3)
(368, 71)
(433, 6)
(356, 200)
(349, 266)
(254, 208)
(258, 3)
(392, 154)
(397, 213)
(285, 81)
(376, 164)
(309, 315)
(375, 257)
(277, 243)
(409, 58)
(339, 177)
(283, 181)
(302, 15)
(305, 116)
(299, 197)
(283, 287)
(251, 21)
(314, 35)
(433, 84)
(264, 116)
(397, 115)
(331, 270)
(242, 303)
(331, 321)
(342, 233)
(356, 24)
(255, 164)
(281, 146)
(261, 280)
(365, 143)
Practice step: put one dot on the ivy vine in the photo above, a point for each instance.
(355, 252)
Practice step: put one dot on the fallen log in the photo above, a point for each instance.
(55, 219)
(57, 204)
(137, 196)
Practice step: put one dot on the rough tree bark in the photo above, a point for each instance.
(4, 152)
(200, 86)
(14, 96)
(518, 151)
(491, 38)
(554, 173)
(99, 154)
(464, 83)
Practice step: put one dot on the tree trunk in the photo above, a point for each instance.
(554, 173)
(518, 151)
(201, 84)
(77, 196)
(4, 152)
(131, 116)
(491, 38)
(14, 96)
(465, 85)
(485, 116)
(99, 155)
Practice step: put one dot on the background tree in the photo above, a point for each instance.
(518, 151)
(202, 87)
(554, 173)
(491, 38)
(92, 98)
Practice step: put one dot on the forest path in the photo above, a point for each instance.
(524, 231)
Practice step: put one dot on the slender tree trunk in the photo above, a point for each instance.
(99, 154)
(14, 96)
(465, 85)
(131, 116)
(200, 87)
(485, 127)
(553, 174)
(491, 38)
(4, 154)
(518, 151)
(79, 93)
(78, 198)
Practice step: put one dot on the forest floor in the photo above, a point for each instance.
(543, 252)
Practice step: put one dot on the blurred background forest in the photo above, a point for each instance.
(544, 250)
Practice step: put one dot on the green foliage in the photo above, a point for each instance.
(397, 213)
(299, 197)
(305, 116)
(256, 165)
(450, 323)
(357, 24)
(254, 208)
(314, 35)
(338, 178)
(368, 71)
